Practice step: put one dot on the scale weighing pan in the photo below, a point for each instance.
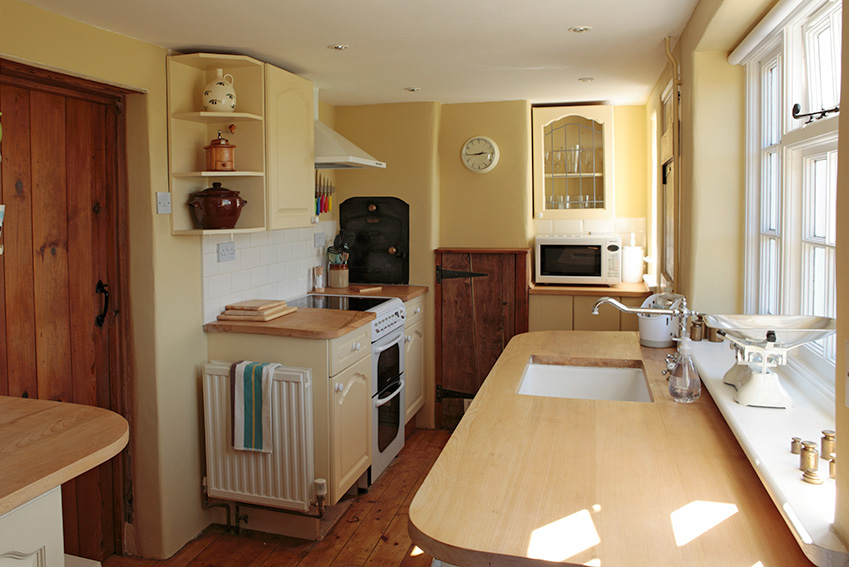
(762, 343)
(790, 330)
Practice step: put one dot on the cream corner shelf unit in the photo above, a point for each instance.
(190, 129)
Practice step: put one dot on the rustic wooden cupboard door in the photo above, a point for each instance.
(481, 302)
(58, 182)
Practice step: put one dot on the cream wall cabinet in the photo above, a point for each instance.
(31, 534)
(573, 162)
(341, 419)
(291, 154)
(272, 130)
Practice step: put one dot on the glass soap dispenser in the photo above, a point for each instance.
(685, 385)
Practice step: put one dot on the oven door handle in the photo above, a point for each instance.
(383, 401)
(393, 340)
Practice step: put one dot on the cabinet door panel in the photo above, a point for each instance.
(476, 317)
(350, 415)
(414, 369)
(31, 535)
(291, 158)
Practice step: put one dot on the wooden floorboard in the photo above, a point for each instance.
(372, 532)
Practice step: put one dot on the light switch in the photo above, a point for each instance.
(318, 239)
(163, 203)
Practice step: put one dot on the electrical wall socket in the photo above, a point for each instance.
(163, 203)
(318, 239)
(226, 251)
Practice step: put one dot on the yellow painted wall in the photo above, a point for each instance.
(405, 136)
(165, 271)
(713, 205)
(630, 153)
(841, 520)
(712, 167)
(490, 210)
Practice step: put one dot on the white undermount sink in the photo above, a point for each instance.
(585, 379)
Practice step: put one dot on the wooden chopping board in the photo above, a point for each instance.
(256, 305)
(248, 315)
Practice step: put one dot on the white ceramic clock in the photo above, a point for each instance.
(480, 154)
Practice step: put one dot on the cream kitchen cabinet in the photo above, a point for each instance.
(414, 361)
(272, 129)
(549, 311)
(341, 381)
(291, 155)
(31, 534)
(573, 162)
(350, 392)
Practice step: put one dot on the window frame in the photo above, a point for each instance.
(787, 42)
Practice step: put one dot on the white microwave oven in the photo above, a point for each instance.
(578, 259)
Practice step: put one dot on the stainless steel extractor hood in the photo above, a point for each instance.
(334, 151)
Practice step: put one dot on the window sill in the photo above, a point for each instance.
(764, 435)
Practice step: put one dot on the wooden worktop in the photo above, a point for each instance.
(619, 290)
(44, 444)
(402, 292)
(527, 480)
(305, 322)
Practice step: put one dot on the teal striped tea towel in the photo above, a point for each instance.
(252, 405)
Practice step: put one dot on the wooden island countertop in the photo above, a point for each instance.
(527, 480)
(44, 444)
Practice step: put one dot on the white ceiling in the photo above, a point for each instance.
(453, 51)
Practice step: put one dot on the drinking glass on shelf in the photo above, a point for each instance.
(558, 161)
(587, 161)
(573, 158)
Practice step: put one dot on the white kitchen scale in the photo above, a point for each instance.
(761, 342)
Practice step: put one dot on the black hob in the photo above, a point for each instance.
(340, 302)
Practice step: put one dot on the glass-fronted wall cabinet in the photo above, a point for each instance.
(573, 162)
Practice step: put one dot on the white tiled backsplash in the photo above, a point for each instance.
(622, 227)
(269, 265)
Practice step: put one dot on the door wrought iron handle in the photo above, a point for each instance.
(101, 288)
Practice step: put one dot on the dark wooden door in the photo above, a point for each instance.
(59, 182)
(476, 316)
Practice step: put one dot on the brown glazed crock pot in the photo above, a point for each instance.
(217, 207)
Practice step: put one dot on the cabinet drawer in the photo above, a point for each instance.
(415, 310)
(349, 348)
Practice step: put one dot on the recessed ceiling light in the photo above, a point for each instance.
(338, 47)
(586, 79)
(580, 29)
(412, 89)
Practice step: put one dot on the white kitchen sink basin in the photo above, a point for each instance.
(585, 379)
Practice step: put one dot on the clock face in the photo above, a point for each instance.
(480, 154)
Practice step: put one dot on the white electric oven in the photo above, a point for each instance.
(387, 369)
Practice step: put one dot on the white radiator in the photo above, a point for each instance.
(280, 479)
